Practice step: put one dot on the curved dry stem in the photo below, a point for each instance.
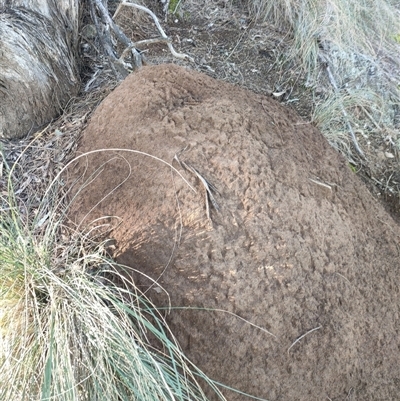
(224, 311)
(74, 160)
(305, 334)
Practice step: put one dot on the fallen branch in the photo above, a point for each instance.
(106, 39)
(108, 33)
(158, 25)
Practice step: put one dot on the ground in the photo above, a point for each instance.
(288, 262)
(225, 44)
(306, 248)
(228, 45)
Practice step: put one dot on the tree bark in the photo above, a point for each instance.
(38, 62)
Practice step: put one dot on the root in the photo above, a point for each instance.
(110, 34)
(158, 25)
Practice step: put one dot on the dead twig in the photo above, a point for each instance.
(321, 183)
(110, 24)
(158, 25)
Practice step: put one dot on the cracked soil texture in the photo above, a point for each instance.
(297, 243)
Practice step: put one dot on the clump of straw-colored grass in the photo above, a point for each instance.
(73, 326)
(350, 26)
(349, 48)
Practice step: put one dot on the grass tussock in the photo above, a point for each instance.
(349, 48)
(352, 27)
(73, 326)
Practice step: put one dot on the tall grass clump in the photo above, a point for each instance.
(349, 47)
(73, 326)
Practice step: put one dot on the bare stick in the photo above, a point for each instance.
(119, 33)
(158, 25)
(142, 42)
(321, 183)
(308, 332)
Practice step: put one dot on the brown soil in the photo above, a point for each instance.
(227, 43)
(298, 242)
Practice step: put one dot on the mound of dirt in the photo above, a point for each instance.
(289, 239)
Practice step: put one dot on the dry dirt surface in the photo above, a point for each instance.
(290, 240)
(228, 43)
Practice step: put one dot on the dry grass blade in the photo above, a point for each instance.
(207, 185)
(301, 337)
(236, 316)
